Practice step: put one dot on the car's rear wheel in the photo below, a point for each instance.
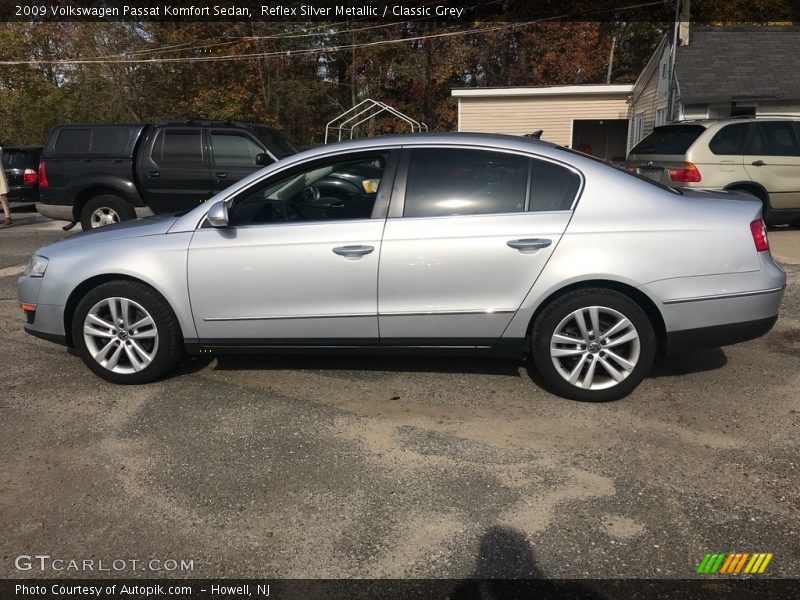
(593, 345)
(126, 332)
(105, 209)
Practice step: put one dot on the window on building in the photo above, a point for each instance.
(638, 127)
(661, 116)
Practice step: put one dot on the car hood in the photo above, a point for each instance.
(156, 225)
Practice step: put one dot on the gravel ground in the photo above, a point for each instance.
(395, 467)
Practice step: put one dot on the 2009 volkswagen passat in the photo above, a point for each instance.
(444, 242)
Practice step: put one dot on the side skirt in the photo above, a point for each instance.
(506, 348)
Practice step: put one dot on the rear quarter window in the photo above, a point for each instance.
(669, 139)
(110, 140)
(73, 141)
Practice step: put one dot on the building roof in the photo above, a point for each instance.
(553, 90)
(735, 64)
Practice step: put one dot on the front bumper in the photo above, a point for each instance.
(46, 320)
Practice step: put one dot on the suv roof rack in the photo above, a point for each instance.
(212, 123)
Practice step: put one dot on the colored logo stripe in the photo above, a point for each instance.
(734, 563)
(711, 563)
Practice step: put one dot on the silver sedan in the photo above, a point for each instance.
(440, 243)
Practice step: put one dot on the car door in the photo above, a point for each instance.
(233, 156)
(174, 170)
(294, 266)
(468, 233)
(772, 159)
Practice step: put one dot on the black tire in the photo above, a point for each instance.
(544, 327)
(168, 343)
(106, 202)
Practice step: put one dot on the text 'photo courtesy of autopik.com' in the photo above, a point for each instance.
(427, 299)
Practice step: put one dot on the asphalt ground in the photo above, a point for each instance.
(290, 466)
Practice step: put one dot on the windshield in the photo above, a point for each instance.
(277, 142)
(669, 139)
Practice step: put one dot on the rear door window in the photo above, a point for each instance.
(454, 181)
(669, 139)
(774, 138)
(182, 148)
(729, 140)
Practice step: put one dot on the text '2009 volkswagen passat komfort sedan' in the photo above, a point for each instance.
(445, 242)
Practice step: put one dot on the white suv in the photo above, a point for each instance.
(757, 155)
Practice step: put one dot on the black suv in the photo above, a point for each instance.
(21, 167)
(103, 174)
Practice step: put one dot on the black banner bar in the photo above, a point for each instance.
(389, 11)
(411, 589)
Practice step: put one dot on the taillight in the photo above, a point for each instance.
(631, 168)
(42, 175)
(30, 177)
(759, 231)
(688, 174)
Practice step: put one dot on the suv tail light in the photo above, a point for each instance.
(30, 177)
(759, 231)
(630, 167)
(688, 174)
(43, 175)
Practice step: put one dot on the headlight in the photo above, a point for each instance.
(37, 265)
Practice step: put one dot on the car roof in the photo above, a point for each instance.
(490, 140)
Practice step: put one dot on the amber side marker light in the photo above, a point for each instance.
(30, 312)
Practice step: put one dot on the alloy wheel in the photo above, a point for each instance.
(595, 347)
(103, 216)
(120, 335)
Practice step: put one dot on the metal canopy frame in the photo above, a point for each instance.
(366, 110)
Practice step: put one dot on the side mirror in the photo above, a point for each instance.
(264, 159)
(218, 215)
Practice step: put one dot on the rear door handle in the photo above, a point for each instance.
(154, 174)
(758, 163)
(353, 252)
(221, 175)
(529, 245)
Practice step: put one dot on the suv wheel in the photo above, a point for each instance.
(593, 345)
(105, 209)
(126, 332)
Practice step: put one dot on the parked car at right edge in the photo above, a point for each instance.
(758, 155)
(103, 174)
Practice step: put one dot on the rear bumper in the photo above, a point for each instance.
(59, 212)
(717, 335)
(64, 212)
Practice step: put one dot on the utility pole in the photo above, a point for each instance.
(611, 59)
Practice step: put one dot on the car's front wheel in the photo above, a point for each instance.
(593, 345)
(126, 332)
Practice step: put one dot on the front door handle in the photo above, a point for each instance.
(153, 174)
(353, 252)
(758, 163)
(221, 175)
(529, 245)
